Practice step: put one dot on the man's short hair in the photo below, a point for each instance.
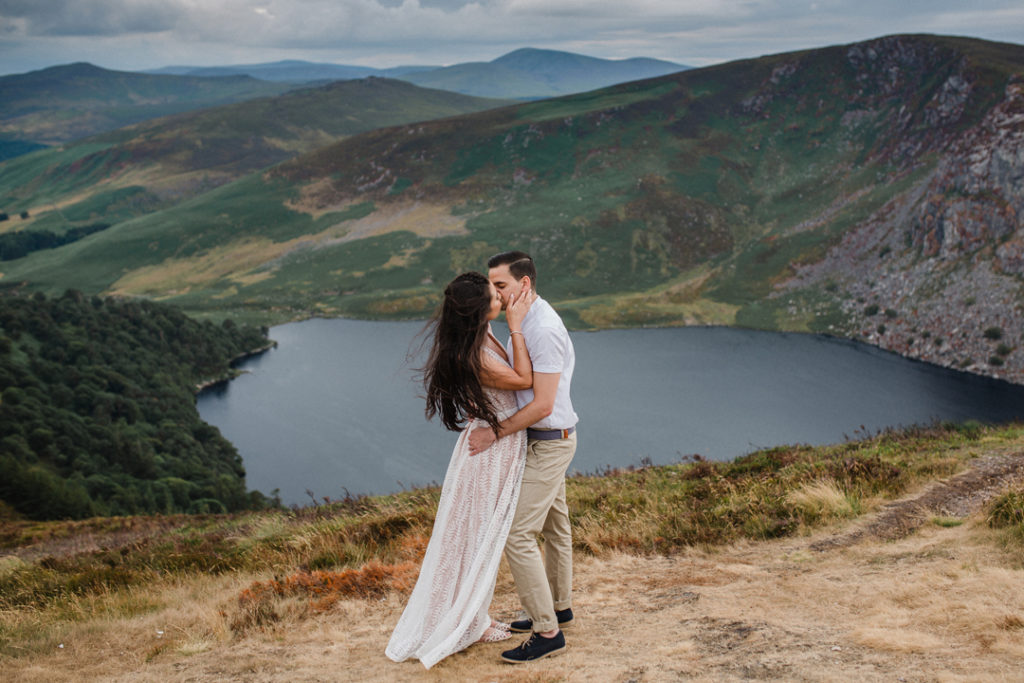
(519, 264)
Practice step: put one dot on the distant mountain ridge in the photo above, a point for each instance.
(527, 73)
(72, 101)
(291, 70)
(533, 73)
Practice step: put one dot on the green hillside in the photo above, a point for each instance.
(795, 191)
(156, 164)
(68, 102)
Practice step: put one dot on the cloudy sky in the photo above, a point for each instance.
(141, 34)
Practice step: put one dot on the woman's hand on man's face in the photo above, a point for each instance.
(516, 310)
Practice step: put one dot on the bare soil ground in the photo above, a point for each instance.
(907, 594)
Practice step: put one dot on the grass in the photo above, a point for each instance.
(1005, 514)
(308, 558)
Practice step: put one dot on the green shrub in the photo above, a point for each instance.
(993, 333)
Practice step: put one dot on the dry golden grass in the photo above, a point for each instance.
(420, 218)
(824, 602)
(250, 260)
(151, 176)
(821, 499)
(178, 276)
(308, 199)
(680, 302)
(639, 308)
(943, 604)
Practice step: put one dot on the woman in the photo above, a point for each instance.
(468, 378)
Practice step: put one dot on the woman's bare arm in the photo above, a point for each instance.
(520, 375)
(496, 374)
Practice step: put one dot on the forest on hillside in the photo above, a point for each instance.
(97, 409)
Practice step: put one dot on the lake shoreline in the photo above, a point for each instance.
(338, 394)
(232, 372)
(873, 339)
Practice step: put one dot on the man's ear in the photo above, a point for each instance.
(525, 283)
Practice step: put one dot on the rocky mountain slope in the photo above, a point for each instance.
(936, 272)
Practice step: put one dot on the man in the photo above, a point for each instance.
(544, 584)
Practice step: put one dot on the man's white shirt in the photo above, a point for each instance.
(551, 351)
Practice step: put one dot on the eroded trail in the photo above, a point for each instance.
(957, 497)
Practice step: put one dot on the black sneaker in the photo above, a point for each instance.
(535, 647)
(564, 617)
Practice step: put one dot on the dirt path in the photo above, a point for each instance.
(898, 598)
(957, 497)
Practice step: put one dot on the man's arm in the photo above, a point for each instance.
(545, 386)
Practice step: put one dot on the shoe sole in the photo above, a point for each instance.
(564, 624)
(524, 661)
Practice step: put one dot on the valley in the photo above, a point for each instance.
(868, 191)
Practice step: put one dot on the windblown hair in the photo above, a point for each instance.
(451, 375)
(519, 264)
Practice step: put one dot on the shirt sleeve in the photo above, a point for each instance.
(547, 353)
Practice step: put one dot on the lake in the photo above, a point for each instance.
(334, 408)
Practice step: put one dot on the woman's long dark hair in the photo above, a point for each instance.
(451, 375)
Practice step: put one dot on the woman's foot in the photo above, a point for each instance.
(495, 633)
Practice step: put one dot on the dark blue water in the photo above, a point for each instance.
(334, 407)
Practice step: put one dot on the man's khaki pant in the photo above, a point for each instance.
(544, 583)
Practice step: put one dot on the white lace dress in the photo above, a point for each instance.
(447, 610)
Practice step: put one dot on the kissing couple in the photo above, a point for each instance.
(505, 483)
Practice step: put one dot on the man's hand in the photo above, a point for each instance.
(480, 439)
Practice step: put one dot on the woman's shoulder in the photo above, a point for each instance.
(496, 355)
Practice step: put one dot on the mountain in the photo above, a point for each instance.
(531, 73)
(70, 102)
(64, 103)
(293, 71)
(154, 164)
(527, 73)
(869, 190)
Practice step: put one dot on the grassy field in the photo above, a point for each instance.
(60, 580)
(246, 595)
